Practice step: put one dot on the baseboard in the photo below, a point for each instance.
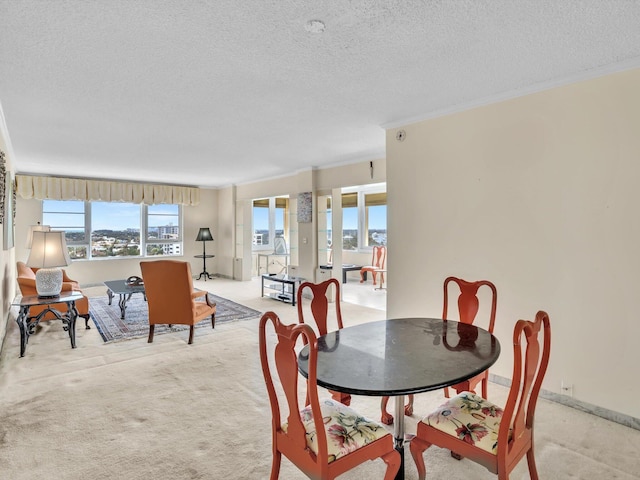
(621, 418)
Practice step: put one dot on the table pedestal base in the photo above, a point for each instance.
(398, 433)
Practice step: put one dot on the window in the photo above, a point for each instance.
(113, 229)
(364, 218)
(163, 230)
(270, 220)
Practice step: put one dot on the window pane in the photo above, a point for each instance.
(163, 222)
(261, 222)
(377, 225)
(67, 215)
(164, 249)
(376, 218)
(115, 229)
(350, 228)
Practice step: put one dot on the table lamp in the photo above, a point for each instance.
(204, 235)
(48, 253)
(35, 228)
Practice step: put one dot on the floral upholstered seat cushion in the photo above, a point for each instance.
(470, 418)
(346, 429)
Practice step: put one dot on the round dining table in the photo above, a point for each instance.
(402, 356)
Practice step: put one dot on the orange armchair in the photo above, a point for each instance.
(27, 283)
(171, 297)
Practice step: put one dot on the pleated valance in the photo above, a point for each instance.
(58, 188)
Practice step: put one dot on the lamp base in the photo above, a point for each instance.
(49, 282)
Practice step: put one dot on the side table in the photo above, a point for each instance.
(204, 267)
(28, 325)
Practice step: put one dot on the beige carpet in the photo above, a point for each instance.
(171, 411)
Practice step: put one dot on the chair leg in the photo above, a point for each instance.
(275, 466)
(408, 408)
(213, 321)
(417, 446)
(385, 417)
(343, 398)
(485, 393)
(531, 461)
(151, 328)
(86, 321)
(394, 462)
(191, 329)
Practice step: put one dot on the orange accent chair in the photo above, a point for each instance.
(320, 314)
(171, 297)
(378, 260)
(27, 283)
(479, 430)
(326, 438)
(468, 306)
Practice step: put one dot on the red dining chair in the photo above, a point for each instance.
(479, 430)
(320, 312)
(468, 306)
(326, 438)
(378, 259)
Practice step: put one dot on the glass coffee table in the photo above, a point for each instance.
(125, 291)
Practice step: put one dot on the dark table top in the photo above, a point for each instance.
(120, 287)
(401, 356)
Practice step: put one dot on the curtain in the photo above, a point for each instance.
(58, 188)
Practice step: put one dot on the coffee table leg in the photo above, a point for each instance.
(109, 295)
(123, 304)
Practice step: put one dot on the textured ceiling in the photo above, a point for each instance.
(220, 92)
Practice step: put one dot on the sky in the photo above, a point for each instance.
(106, 215)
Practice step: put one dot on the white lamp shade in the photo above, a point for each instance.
(35, 228)
(48, 252)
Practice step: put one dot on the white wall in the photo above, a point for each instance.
(539, 195)
(7, 256)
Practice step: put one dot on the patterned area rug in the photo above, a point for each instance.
(136, 322)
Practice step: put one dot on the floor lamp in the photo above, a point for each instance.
(204, 236)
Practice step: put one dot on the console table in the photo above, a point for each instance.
(28, 324)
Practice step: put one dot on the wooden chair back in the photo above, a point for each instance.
(319, 308)
(468, 301)
(468, 307)
(379, 256)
